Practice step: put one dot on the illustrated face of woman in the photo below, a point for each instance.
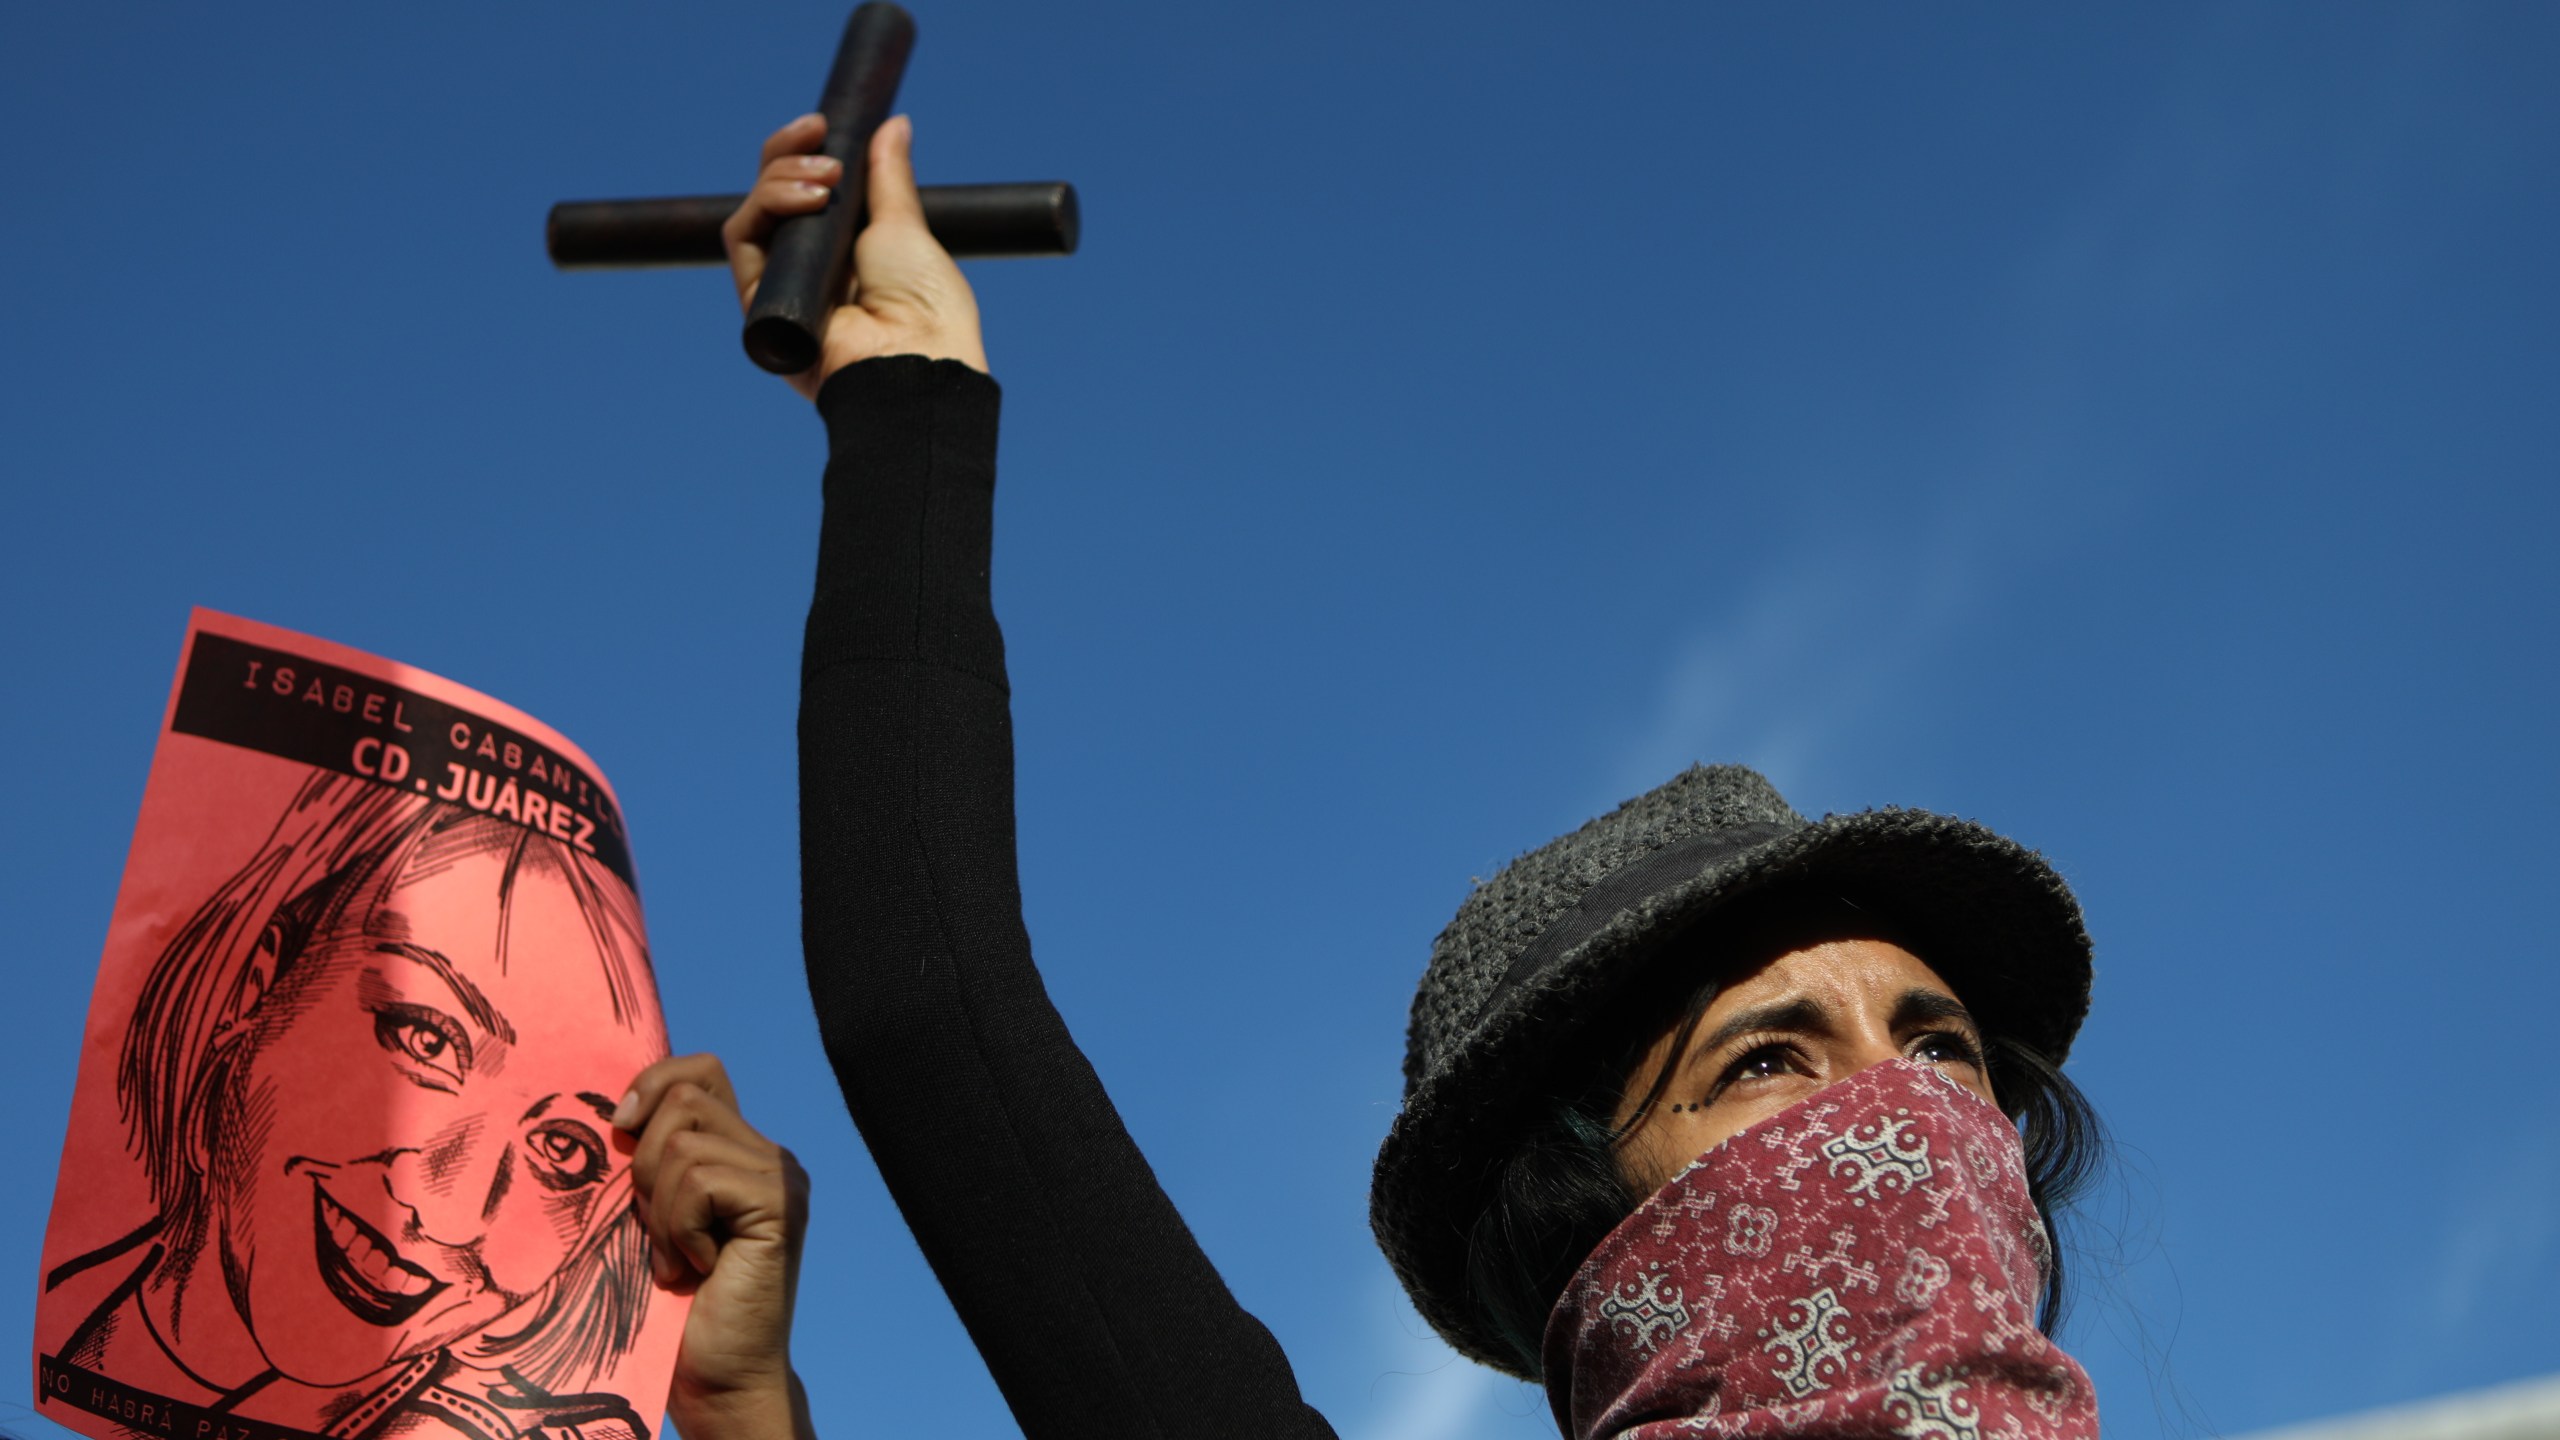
(1805, 1018)
(420, 1139)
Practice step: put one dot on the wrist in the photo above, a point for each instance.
(965, 349)
(769, 1408)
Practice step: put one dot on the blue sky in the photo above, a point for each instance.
(2130, 428)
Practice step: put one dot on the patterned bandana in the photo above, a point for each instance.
(1864, 1263)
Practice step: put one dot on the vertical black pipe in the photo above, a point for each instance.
(810, 258)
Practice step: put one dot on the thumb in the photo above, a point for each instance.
(895, 258)
(892, 185)
(908, 298)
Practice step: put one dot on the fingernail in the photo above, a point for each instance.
(626, 1114)
(807, 188)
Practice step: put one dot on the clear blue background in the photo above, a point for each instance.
(2132, 427)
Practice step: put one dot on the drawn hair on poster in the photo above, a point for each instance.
(234, 980)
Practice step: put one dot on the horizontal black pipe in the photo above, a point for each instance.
(1029, 217)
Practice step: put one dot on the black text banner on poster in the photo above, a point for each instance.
(140, 1411)
(299, 709)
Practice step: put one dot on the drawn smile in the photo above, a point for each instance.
(362, 1269)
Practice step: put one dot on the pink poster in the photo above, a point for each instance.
(339, 1161)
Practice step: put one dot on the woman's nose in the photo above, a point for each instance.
(449, 1181)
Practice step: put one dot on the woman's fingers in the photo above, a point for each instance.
(798, 135)
(712, 1189)
(907, 297)
(649, 1089)
(688, 1113)
(684, 1104)
(703, 1175)
(799, 186)
(791, 179)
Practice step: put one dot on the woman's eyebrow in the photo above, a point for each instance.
(474, 1004)
(1927, 1007)
(604, 1108)
(1801, 1013)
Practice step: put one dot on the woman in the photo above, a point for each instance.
(1694, 1133)
(1699, 974)
(389, 1195)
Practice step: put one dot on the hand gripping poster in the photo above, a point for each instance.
(339, 1162)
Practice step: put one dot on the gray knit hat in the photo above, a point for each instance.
(1536, 950)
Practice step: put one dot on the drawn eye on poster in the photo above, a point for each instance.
(339, 1161)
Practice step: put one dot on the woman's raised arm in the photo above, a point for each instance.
(1087, 1296)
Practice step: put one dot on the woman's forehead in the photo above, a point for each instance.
(518, 932)
(1862, 970)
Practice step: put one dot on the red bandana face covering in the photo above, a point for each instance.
(1865, 1263)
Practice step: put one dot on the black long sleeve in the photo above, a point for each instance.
(1085, 1292)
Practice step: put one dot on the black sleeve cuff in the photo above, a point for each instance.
(909, 526)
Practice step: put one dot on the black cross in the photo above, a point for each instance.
(810, 257)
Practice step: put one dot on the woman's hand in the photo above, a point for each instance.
(908, 298)
(725, 1210)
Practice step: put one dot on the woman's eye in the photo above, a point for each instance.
(1946, 1048)
(1765, 1063)
(417, 1037)
(566, 1155)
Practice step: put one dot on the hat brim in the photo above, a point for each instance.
(2000, 925)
